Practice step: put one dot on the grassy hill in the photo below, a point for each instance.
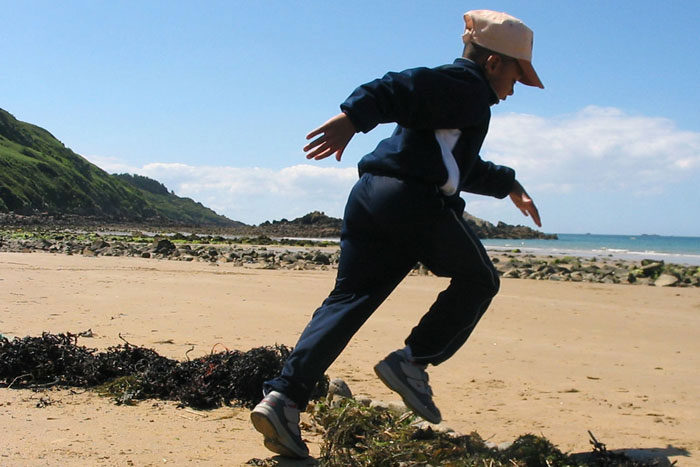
(39, 174)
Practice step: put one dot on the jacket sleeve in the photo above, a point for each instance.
(419, 98)
(487, 178)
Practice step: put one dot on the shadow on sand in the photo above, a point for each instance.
(652, 456)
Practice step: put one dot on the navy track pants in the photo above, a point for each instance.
(388, 226)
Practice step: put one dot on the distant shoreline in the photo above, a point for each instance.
(680, 250)
(264, 252)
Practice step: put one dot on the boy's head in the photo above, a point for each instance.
(502, 45)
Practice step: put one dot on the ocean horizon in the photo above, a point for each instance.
(671, 249)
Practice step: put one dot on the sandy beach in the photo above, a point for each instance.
(550, 358)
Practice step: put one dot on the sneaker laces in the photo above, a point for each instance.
(291, 413)
(421, 367)
(426, 381)
(424, 376)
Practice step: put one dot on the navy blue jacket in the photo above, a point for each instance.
(443, 115)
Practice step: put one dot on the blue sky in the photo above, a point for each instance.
(214, 100)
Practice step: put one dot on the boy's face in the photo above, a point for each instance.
(502, 73)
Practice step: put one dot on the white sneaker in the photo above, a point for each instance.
(277, 418)
(410, 381)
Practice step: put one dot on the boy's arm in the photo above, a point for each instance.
(523, 202)
(336, 133)
(419, 98)
(487, 178)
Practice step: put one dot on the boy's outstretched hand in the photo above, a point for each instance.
(336, 133)
(523, 202)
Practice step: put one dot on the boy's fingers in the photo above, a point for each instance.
(315, 154)
(314, 143)
(320, 152)
(523, 201)
(536, 217)
(315, 132)
(535, 214)
(330, 138)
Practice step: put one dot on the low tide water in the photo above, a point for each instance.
(679, 250)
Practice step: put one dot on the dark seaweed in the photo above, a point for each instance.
(129, 372)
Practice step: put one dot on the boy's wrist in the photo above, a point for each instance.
(359, 114)
(350, 121)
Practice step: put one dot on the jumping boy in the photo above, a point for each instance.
(406, 208)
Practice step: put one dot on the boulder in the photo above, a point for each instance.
(338, 387)
(98, 244)
(651, 268)
(666, 280)
(321, 258)
(435, 427)
(287, 258)
(379, 405)
(162, 246)
(365, 401)
(42, 244)
(398, 408)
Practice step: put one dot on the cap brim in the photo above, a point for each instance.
(530, 77)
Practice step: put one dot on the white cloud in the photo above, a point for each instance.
(592, 155)
(251, 194)
(595, 149)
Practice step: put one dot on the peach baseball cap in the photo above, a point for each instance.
(505, 34)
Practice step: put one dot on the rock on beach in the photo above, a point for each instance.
(271, 256)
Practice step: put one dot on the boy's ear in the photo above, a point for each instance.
(493, 62)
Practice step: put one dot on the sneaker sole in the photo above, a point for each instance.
(387, 376)
(267, 425)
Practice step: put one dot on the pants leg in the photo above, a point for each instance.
(373, 261)
(451, 249)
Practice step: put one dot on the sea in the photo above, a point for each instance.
(678, 250)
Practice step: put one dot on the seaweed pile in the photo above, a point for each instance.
(356, 435)
(128, 372)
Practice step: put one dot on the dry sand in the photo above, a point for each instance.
(549, 358)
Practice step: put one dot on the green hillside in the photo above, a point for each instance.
(39, 174)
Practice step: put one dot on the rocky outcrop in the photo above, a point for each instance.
(485, 229)
(317, 225)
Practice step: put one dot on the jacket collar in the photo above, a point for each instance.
(478, 71)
